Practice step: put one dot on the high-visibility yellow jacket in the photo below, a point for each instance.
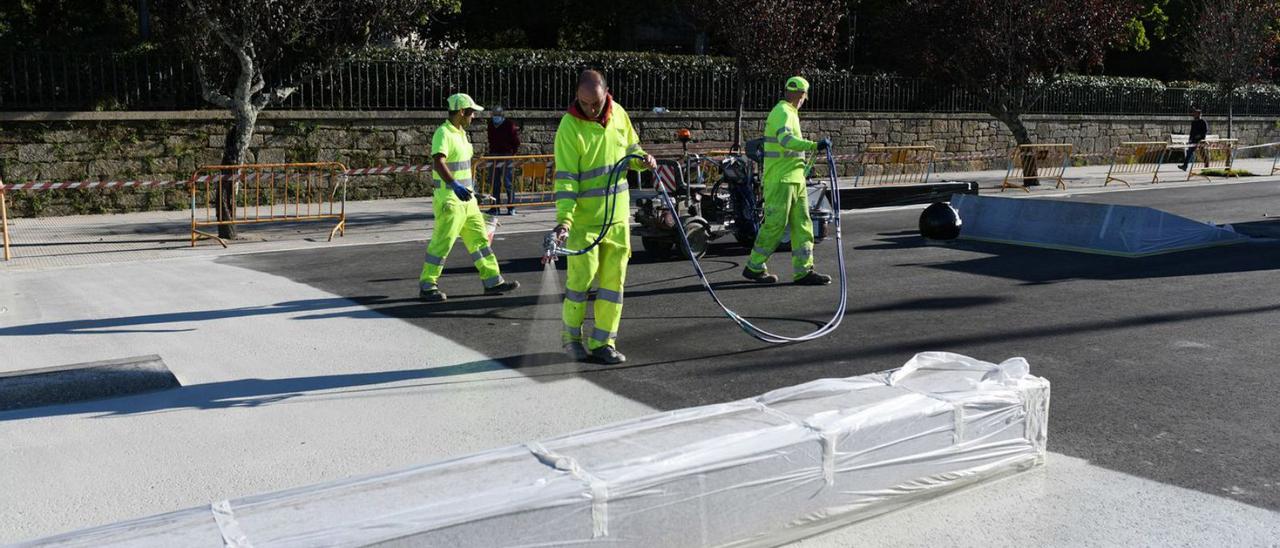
(784, 146)
(453, 143)
(585, 152)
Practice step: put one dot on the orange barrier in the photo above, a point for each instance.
(895, 165)
(269, 193)
(1215, 154)
(532, 179)
(1136, 158)
(1033, 162)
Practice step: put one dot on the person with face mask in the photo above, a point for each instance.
(504, 140)
(592, 137)
(456, 212)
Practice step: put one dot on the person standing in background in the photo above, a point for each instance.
(504, 140)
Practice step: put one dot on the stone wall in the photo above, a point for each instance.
(126, 145)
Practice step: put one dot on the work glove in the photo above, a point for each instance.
(824, 144)
(562, 234)
(460, 191)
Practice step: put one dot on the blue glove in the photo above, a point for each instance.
(461, 191)
(824, 143)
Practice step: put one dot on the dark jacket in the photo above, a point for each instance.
(1199, 128)
(504, 139)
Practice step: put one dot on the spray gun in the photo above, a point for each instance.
(553, 247)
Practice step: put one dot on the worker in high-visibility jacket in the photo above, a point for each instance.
(786, 201)
(594, 135)
(456, 211)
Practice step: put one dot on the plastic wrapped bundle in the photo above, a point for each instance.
(755, 472)
(1125, 231)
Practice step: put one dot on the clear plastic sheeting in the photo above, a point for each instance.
(1127, 231)
(757, 472)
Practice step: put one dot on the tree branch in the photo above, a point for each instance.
(208, 92)
(211, 23)
(276, 96)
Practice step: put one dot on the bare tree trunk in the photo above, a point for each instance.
(1231, 110)
(1021, 136)
(234, 152)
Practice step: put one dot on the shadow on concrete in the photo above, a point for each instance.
(249, 393)
(129, 324)
(259, 392)
(363, 307)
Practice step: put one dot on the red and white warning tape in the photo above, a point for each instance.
(945, 157)
(85, 184)
(387, 170)
(69, 185)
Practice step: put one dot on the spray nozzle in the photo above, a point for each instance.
(552, 247)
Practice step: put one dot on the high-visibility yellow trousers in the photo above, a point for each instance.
(607, 263)
(785, 204)
(455, 218)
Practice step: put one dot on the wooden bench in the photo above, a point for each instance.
(1184, 139)
(1179, 141)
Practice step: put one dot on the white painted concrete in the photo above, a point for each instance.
(266, 405)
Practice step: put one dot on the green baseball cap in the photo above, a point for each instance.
(797, 83)
(459, 101)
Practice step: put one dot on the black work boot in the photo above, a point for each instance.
(433, 295)
(813, 278)
(576, 351)
(762, 277)
(503, 287)
(607, 355)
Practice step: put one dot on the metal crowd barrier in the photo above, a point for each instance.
(1136, 158)
(895, 165)
(268, 193)
(1212, 154)
(532, 179)
(1034, 162)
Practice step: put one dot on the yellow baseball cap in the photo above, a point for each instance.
(797, 83)
(459, 101)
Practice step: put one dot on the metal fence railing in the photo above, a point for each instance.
(96, 81)
(157, 81)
